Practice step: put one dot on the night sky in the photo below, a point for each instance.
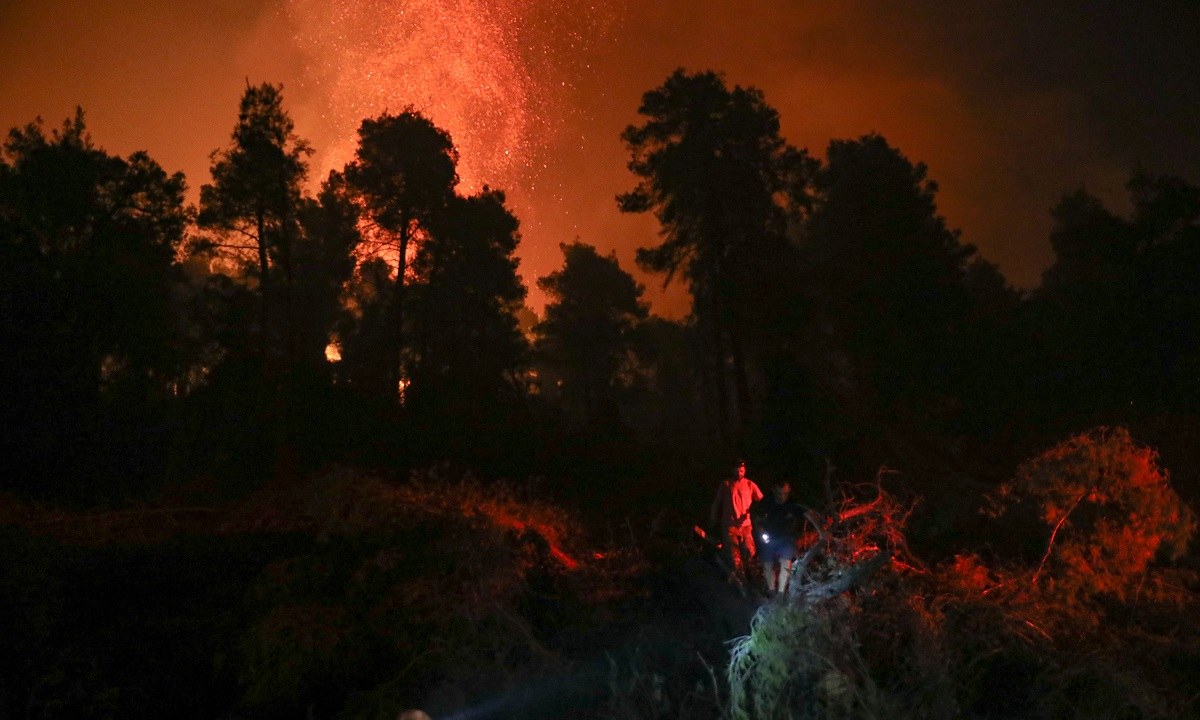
(1009, 104)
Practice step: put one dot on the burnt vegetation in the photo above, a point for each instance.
(301, 450)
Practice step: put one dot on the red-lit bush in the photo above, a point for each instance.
(1108, 509)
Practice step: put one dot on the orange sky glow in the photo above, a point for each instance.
(1008, 104)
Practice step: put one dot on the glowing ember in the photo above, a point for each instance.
(491, 72)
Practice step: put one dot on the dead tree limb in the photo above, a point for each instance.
(853, 576)
(1054, 533)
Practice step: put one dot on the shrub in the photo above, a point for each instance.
(438, 592)
(1108, 508)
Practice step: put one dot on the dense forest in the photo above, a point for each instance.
(302, 450)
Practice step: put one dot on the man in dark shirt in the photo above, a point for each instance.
(776, 524)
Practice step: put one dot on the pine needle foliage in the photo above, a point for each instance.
(1108, 509)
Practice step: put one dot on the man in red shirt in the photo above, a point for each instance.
(731, 516)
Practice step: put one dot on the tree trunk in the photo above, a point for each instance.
(741, 383)
(264, 279)
(398, 311)
(718, 355)
(290, 345)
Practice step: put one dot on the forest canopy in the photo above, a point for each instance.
(329, 398)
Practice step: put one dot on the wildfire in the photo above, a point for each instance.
(491, 72)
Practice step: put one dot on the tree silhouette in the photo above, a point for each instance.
(671, 358)
(1121, 298)
(1167, 217)
(87, 248)
(404, 174)
(366, 329)
(465, 345)
(588, 334)
(324, 263)
(254, 198)
(891, 284)
(723, 184)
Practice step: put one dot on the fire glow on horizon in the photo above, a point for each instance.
(493, 73)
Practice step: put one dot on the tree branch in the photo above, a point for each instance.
(1054, 533)
(856, 575)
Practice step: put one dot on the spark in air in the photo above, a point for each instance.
(493, 73)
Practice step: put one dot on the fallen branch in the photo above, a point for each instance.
(852, 577)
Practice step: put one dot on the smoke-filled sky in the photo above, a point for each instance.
(1010, 104)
